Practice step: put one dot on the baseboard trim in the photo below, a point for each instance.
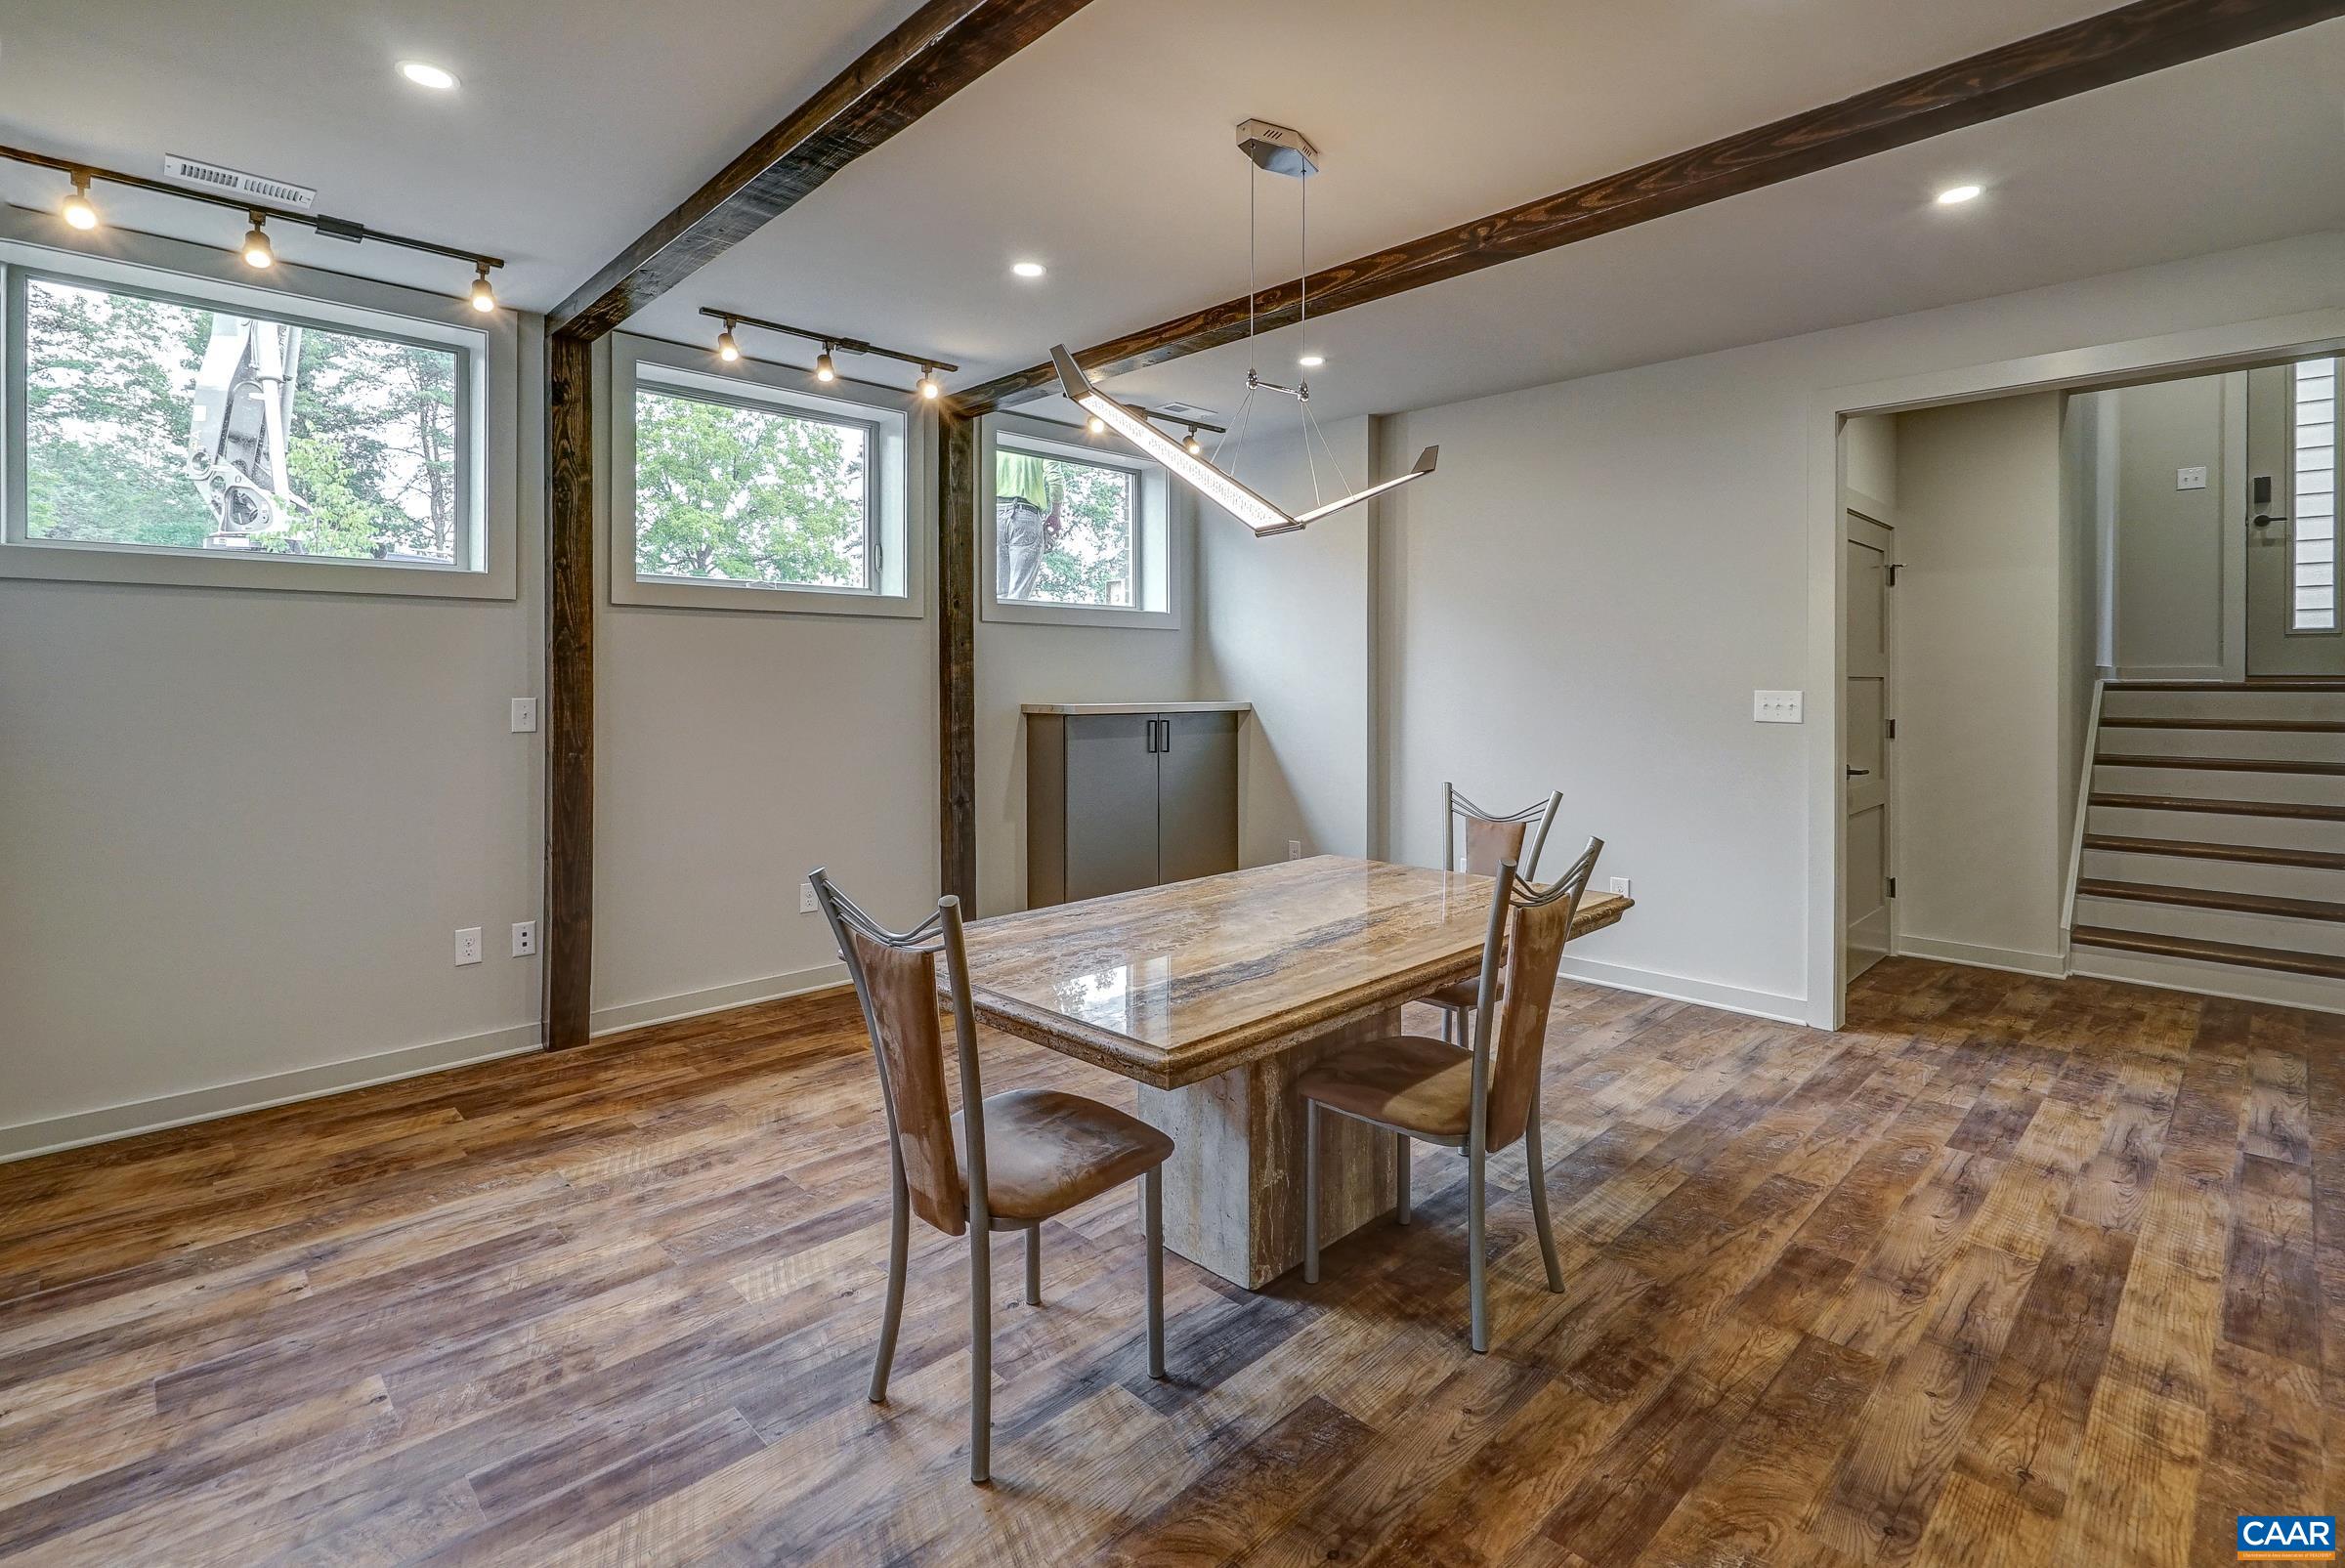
(51, 1135)
(2212, 674)
(2017, 961)
(1767, 1005)
(627, 1015)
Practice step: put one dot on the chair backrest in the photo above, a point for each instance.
(1509, 1035)
(895, 980)
(1492, 839)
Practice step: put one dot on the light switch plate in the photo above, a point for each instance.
(2190, 478)
(1775, 708)
(525, 715)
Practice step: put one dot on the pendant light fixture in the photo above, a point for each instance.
(1281, 150)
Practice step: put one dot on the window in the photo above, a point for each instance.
(1077, 530)
(163, 424)
(742, 486)
(2312, 512)
(731, 492)
(1063, 530)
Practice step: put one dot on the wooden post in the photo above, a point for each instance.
(957, 536)
(568, 930)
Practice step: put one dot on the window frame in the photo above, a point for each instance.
(199, 278)
(895, 472)
(1159, 584)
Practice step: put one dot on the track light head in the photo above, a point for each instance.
(824, 369)
(258, 252)
(484, 297)
(77, 210)
(1195, 447)
(1095, 425)
(726, 349)
(928, 383)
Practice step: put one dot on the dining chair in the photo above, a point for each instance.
(1490, 839)
(1021, 1157)
(1475, 1099)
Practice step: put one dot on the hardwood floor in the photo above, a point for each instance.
(2010, 1271)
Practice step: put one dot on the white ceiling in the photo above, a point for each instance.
(1106, 152)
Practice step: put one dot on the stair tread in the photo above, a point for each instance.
(2183, 721)
(2207, 897)
(2222, 764)
(2202, 849)
(2325, 964)
(2254, 683)
(2300, 810)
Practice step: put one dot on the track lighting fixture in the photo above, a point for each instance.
(258, 252)
(726, 349)
(927, 386)
(484, 298)
(1193, 446)
(77, 210)
(824, 369)
(1095, 425)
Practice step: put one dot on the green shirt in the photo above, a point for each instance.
(1018, 477)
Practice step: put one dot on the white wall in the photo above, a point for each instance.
(1587, 593)
(242, 827)
(1285, 624)
(2169, 541)
(1982, 787)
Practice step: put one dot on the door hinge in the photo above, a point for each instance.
(1893, 729)
(1894, 569)
(1892, 887)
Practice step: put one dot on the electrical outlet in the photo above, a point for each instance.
(468, 944)
(806, 904)
(1293, 849)
(1775, 708)
(1620, 885)
(2190, 478)
(524, 938)
(525, 715)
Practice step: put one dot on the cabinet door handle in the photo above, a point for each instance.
(1164, 743)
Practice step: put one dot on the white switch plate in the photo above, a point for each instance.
(2190, 478)
(806, 904)
(1620, 885)
(524, 938)
(1293, 849)
(468, 944)
(525, 715)
(1775, 708)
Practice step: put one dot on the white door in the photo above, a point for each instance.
(1868, 555)
(2291, 520)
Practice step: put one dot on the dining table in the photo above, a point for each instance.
(1214, 996)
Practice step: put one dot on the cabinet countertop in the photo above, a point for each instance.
(1138, 707)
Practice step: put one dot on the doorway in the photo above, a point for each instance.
(2291, 520)
(1869, 565)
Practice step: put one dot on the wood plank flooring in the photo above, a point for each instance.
(2008, 1271)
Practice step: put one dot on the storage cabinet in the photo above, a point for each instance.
(1120, 796)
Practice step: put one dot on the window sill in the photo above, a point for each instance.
(681, 593)
(131, 564)
(1021, 614)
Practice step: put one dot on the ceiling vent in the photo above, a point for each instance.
(235, 181)
(1185, 410)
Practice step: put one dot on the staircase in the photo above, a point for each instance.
(2215, 840)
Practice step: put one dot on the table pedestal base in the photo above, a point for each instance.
(1233, 1188)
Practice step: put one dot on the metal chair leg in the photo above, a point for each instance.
(1400, 1173)
(1033, 1265)
(1478, 1286)
(1152, 1204)
(981, 1355)
(1547, 1229)
(891, 1316)
(1310, 1192)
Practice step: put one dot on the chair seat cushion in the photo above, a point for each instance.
(1410, 1082)
(1045, 1151)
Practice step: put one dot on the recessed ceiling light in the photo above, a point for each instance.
(1028, 269)
(1312, 362)
(424, 74)
(1956, 195)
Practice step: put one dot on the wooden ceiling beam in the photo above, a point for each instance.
(939, 50)
(2130, 41)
